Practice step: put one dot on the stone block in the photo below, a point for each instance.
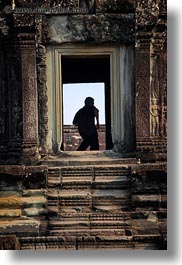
(118, 6)
(91, 29)
(9, 243)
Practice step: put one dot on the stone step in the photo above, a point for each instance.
(88, 182)
(76, 158)
(113, 169)
(89, 224)
(86, 189)
(55, 210)
(92, 217)
(85, 177)
(87, 195)
(94, 202)
(96, 161)
(92, 242)
(77, 231)
(20, 227)
(77, 243)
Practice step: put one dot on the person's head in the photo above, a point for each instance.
(89, 101)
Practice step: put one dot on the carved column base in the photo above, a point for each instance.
(31, 156)
(126, 150)
(43, 150)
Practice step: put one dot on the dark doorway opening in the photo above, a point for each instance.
(90, 69)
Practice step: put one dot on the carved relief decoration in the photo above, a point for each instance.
(164, 95)
(151, 92)
(50, 6)
(151, 43)
(147, 16)
(150, 14)
(42, 96)
(3, 100)
(155, 114)
(15, 100)
(158, 80)
(29, 96)
(16, 120)
(146, 12)
(3, 26)
(66, 4)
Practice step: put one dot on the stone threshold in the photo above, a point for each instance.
(72, 158)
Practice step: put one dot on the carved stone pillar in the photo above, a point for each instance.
(142, 74)
(150, 79)
(159, 77)
(12, 101)
(164, 96)
(158, 98)
(42, 98)
(29, 97)
(123, 102)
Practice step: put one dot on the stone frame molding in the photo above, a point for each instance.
(122, 90)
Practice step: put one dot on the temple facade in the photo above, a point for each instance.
(53, 199)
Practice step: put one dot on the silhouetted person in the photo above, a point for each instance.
(85, 120)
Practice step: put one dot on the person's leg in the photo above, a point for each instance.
(84, 144)
(94, 142)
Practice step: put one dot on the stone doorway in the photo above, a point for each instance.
(87, 70)
(89, 63)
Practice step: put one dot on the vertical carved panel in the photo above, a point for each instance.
(158, 82)
(11, 101)
(42, 95)
(128, 101)
(142, 89)
(3, 100)
(64, 4)
(154, 95)
(29, 89)
(154, 117)
(151, 111)
(164, 96)
(15, 95)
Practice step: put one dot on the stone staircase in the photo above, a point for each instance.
(94, 202)
(90, 205)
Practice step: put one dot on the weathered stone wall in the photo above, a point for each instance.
(117, 22)
(151, 76)
(23, 203)
(149, 203)
(35, 205)
(80, 208)
(21, 181)
(9, 243)
(100, 28)
(11, 102)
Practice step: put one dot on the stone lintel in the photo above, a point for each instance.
(117, 28)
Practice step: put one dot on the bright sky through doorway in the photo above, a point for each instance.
(74, 96)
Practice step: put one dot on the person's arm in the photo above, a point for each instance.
(97, 119)
(75, 120)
